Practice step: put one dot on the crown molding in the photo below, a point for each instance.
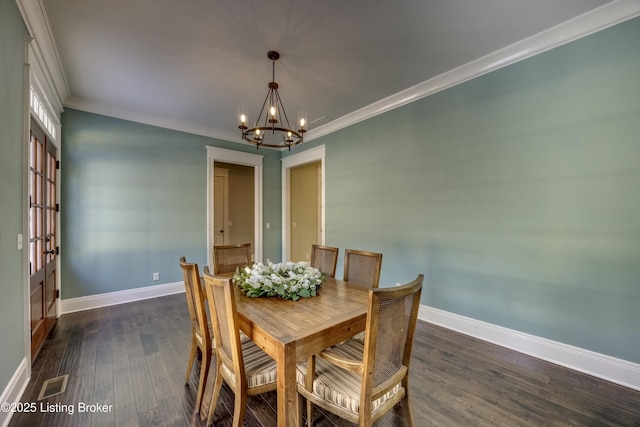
(588, 23)
(48, 61)
(596, 20)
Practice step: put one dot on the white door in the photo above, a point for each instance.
(220, 203)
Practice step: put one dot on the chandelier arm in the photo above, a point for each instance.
(282, 111)
(266, 117)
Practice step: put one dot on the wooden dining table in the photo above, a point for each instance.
(291, 331)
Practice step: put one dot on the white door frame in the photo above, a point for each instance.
(215, 154)
(316, 154)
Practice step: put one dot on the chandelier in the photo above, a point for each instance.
(272, 128)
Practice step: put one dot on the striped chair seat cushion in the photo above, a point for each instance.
(359, 336)
(259, 368)
(339, 386)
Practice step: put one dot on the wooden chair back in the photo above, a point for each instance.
(200, 334)
(373, 384)
(227, 258)
(235, 357)
(362, 268)
(391, 324)
(325, 259)
(224, 322)
(195, 299)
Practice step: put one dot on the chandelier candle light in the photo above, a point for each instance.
(274, 120)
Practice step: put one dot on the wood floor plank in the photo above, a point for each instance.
(105, 416)
(143, 388)
(124, 395)
(135, 356)
(127, 416)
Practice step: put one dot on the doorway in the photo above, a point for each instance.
(233, 217)
(304, 204)
(236, 161)
(315, 158)
(43, 236)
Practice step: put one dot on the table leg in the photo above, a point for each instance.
(288, 411)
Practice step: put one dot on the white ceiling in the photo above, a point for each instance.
(190, 64)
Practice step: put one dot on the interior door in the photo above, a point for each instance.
(220, 206)
(43, 239)
(304, 206)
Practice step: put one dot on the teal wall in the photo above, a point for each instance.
(517, 194)
(133, 201)
(12, 45)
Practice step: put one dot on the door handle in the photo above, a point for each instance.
(51, 252)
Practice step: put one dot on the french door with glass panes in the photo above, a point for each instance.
(43, 240)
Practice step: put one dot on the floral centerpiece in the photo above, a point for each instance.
(288, 280)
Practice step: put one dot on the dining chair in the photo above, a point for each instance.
(325, 259)
(240, 363)
(200, 333)
(362, 268)
(360, 381)
(227, 258)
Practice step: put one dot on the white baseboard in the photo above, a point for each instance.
(14, 390)
(598, 365)
(72, 305)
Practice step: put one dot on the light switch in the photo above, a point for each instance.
(19, 242)
(268, 225)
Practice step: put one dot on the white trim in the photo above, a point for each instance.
(45, 59)
(14, 390)
(312, 155)
(72, 305)
(216, 154)
(598, 19)
(26, 282)
(589, 362)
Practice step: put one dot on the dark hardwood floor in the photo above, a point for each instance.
(134, 356)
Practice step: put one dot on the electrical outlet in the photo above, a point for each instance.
(156, 276)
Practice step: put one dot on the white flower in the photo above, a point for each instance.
(282, 279)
